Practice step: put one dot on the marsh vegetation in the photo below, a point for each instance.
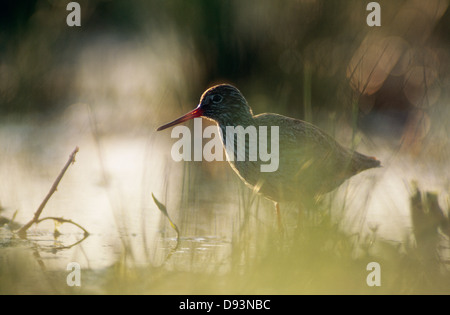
(130, 67)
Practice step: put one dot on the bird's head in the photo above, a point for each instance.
(222, 103)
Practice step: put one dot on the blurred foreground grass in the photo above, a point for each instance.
(315, 257)
(127, 52)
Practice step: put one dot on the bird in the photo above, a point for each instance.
(310, 161)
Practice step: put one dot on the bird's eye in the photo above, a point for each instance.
(217, 98)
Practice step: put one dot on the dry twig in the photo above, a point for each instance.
(22, 232)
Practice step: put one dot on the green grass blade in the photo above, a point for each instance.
(163, 209)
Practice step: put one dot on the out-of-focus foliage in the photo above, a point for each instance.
(265, 47)
(134, 63)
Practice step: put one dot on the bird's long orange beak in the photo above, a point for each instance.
(191, 115)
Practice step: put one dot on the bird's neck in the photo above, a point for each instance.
(230, 120)
(228, 123)
(243, 119)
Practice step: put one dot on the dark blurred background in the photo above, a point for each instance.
(133, 65)
(298, 58)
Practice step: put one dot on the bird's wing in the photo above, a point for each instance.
(297, 134)
(308, 155)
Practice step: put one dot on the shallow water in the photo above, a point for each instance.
(108, 191)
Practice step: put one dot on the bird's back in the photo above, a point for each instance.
(311, 162)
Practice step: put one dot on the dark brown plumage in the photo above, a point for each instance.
(310, 161)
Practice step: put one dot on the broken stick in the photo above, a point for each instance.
(22, 232)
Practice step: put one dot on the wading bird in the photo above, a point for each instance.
(310, 162)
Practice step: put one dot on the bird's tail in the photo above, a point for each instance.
(361, 162)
